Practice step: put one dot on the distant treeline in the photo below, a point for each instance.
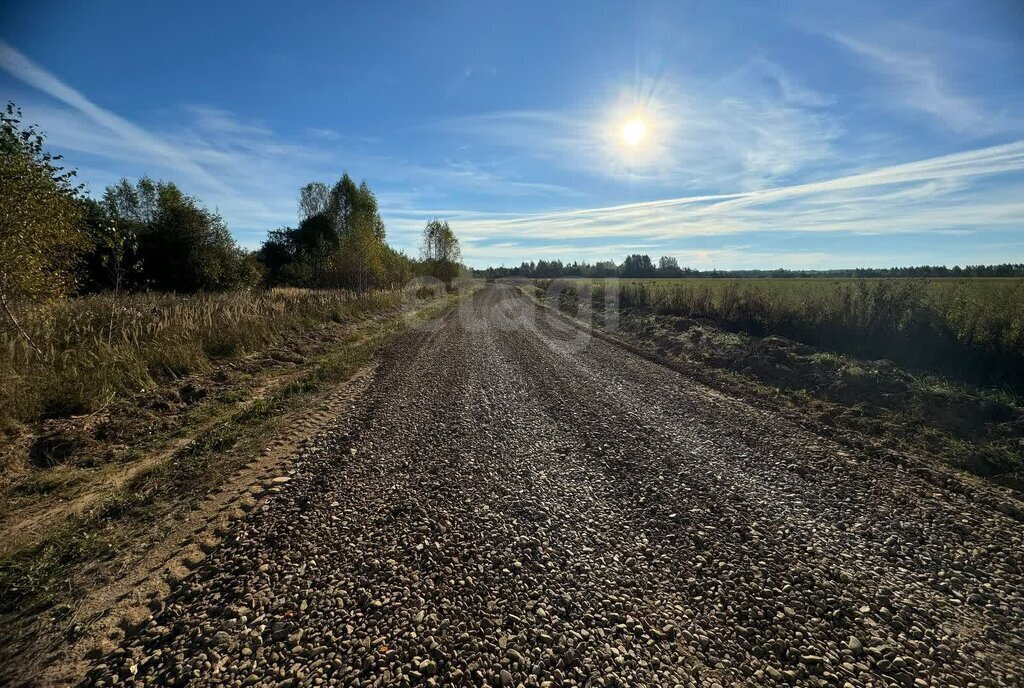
(641, 266)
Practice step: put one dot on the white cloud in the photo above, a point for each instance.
(475, 70)
(27, 71)
(789, 88)
(739, 134)
(244, 169)
(325, 134)
(751, 150)
(953, 193)
(919, 83)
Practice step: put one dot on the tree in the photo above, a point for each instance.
(133, 204)
(276, 254)
(440, 251)
(668, 266)
(181, 246)
(313, 199)
(638, 265)
(398, 268)
(339, 241)
(341, 202)
(40, 215)
(112, 261)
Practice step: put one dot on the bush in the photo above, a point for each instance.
(40, 238)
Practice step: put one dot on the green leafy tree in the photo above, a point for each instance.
(181, 246)
(668, 266)
(638, 265)
(341, 204)
(276, 255)
(134, 204)
(440, 251)
(112, 261)
(339, 243)
(398, 268)
(40, 217)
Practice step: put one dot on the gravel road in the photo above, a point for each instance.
(515, 504)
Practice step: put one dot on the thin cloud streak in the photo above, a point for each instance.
(980, 162)
(246, 170)
(20, 67)
(764, 146)
(702, 136)
(945, 194)
(920, 85)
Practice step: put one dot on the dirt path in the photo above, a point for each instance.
(518, 504)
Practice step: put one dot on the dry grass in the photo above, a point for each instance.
(972, 329)
(93, 348)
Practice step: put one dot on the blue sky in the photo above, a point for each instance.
(788, 134)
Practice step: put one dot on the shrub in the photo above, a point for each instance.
(40, 238)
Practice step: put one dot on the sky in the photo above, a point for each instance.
(729, 135)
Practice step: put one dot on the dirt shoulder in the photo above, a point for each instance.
(111, 509)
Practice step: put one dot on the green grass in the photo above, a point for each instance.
(968, 328)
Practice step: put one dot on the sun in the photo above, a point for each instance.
(633, 131)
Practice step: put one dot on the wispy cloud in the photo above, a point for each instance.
(975, 190)
(32, 74)
(759, 153)
(701, 135)
(324, 134)
(917, 82)
(479, 70)
(468, 175)
(787, 87)
(245, 169)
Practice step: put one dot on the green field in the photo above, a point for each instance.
(968, 328)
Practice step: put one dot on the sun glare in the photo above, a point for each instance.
(634, 131)
(637, 131)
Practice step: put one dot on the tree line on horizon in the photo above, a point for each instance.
(640, 266)
(149, 235)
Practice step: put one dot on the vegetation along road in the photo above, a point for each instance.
(516, 502)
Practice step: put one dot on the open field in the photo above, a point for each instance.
(971, 329)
